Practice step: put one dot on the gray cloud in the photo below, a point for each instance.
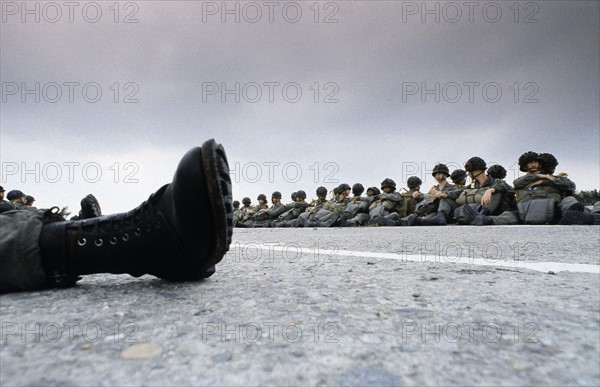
(369, 55)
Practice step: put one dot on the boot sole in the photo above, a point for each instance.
(218, 183)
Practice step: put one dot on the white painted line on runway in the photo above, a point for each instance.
(543, 267)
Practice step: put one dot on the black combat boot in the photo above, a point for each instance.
(576, 207)
(383, 221)
(407, 221)
(467, 213)
(580, 218)
(438, 220)
(178, 234)
(483, 220)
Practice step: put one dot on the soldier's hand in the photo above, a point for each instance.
(487, 197)
(416, 194)
(537, 182)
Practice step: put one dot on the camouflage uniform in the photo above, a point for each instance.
(388, 204)
(534, 185)
(244, 216)
(412, 197)
(477, 191)
(264, 217)
(313, 208)
(292, 211)
(435, 210)
(329, 214)
(356, 213)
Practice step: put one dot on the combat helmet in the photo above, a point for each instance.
(276, 195)
(246, 200)
(375, 190)
(294, 196)
(262, 197)
(458, 175)
(388, 183)
(357, 189)
(549, 163)
(496, 172)
(301, 194)
(413, 182)
(342, 187)
(440, 168)
(321, 191)
(475, 164)
(526, 158)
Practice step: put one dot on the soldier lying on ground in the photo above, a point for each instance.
(179, 234)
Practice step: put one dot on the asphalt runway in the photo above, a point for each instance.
(370, 306)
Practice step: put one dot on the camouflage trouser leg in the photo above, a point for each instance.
(495, 203)
(596, 208)
(506, 218)
(261, 224)
(21, 264)
(393, 216)
(447, 206)
(302, 219)
(328, 220)
(360, 219)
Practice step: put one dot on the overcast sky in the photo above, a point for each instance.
(328, 92)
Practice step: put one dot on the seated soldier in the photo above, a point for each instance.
(357, 191)
(484, 195)
(179, 234)
(329, 214)
(459, 178)
(357, 213)
(264, 217)
(499, 173)
(438, 204)
(537, 194)
(292, 211)
(17, 199)
(315, 205)
(413, 196)
(29, 201)
(388, 204)
(262, 203)
(245, 214)
(5, 205)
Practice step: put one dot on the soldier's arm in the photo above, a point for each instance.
(454, 194)
(563, 183)
(523, 181)
(499, 186)
(394, 197)
(274, 212)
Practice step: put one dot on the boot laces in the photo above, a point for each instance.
(141, 219)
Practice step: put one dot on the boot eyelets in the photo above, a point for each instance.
(138, 232)
(82, 242)
(125, 237)
(113, 240)
(99, 242)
